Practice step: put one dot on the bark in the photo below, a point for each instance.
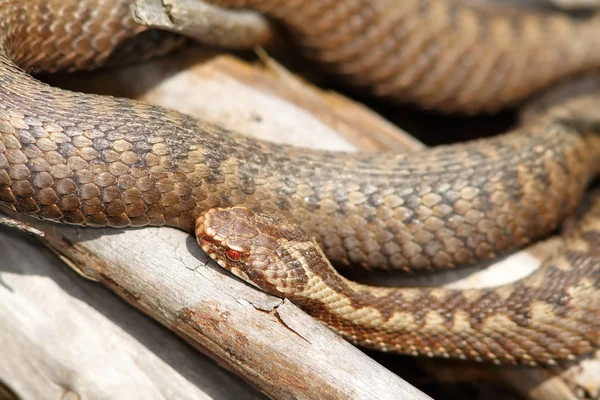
(209, 24)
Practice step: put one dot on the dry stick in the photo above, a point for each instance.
(63, 337)
(19, 225)
(209, 24)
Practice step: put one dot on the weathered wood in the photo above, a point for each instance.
(63, 336)
(211, 25)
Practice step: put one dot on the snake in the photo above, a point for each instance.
(446, 55)
(101, 161)
(547, 317)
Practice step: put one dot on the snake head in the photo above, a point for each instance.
(261, 250)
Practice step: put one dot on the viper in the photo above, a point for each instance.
(550, 316)
(102, 161)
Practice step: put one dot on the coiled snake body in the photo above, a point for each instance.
(102, 161)
(548, 316)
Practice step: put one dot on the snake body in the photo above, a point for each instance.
(550, 316)
(101, 161)
(441, 54)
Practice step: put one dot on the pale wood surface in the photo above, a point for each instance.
(63, 334)
(237, 29)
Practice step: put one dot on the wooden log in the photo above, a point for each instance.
(212, 25)
(266, 340)
(65, 337)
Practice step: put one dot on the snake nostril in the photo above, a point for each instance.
(204, 241)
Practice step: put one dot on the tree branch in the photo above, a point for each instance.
(205, 23)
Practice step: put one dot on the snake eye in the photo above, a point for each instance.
(233, 255)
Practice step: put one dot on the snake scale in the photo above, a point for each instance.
(441, 54)
(101, 161)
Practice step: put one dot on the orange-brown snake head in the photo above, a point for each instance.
(259, 249)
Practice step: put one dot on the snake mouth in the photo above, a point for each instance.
(207, 242)
(208, 238)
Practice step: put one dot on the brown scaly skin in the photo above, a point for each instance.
(438, 54)
(101, 161)
(551, 316)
